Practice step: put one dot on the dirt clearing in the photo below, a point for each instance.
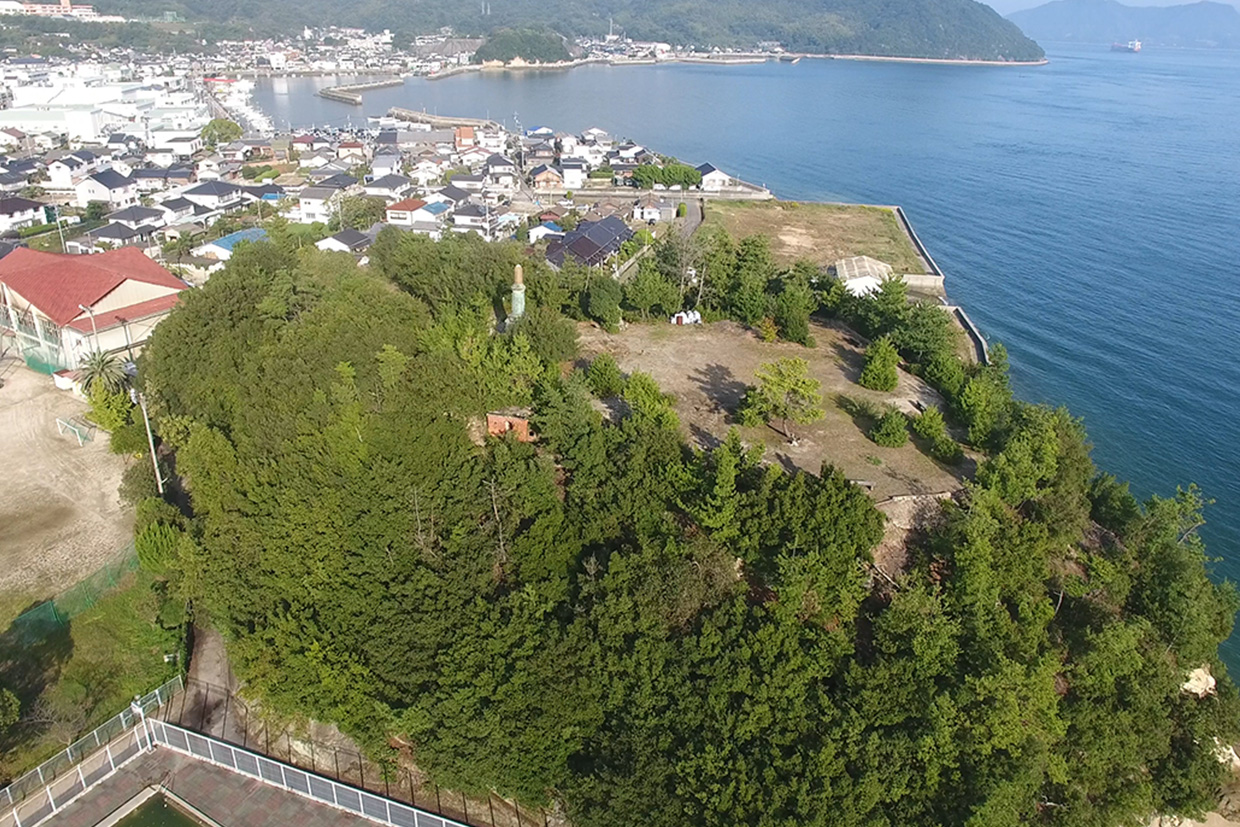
(821, 233)
(60, 517)
(707, 368)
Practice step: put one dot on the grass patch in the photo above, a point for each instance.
(71, 678)
(821, 233)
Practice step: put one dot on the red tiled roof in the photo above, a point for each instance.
(408, 205)
(132, 313)
(56, 284)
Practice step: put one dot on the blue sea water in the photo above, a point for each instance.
(1086, 212)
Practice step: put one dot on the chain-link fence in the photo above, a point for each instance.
(51, 616)
(38, 780)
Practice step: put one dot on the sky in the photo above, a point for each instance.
(1009, 6)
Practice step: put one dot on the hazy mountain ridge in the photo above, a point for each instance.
(904, 28)
(1202, 24)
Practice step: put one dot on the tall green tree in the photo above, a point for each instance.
(785, 392)
(881, 362)
(220, 131)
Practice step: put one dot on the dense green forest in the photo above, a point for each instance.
(910, 28)
(644, 633)
(532, 46)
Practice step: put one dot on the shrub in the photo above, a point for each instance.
(156, 547)
(881, 360)
(891, 430)
(946, 450)
(138, 482)
(604, 377)
(945, 372)
(603, 304)
(768, 331)
(930, 425)
(154, 511)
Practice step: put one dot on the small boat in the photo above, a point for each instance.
(1130, 46)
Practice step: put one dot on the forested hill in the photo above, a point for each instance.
(1203, 24)
(909, 28)
(639, 633)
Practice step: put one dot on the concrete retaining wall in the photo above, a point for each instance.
(923, 283)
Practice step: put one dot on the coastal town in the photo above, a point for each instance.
(303, 420)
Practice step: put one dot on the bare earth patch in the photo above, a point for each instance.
(60, 517)
(707, 368)
(821, 233)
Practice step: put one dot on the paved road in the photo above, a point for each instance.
(693, 218)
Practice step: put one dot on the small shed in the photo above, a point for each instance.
(862, 275)
(510, 420)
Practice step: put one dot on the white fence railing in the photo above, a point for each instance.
(277, 774)
(47, 788)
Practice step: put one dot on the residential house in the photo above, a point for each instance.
(402, 212)
(317, 158)
(13, 182)
(17, 213)
(474, 158)
(353, 152)
(108, 186)
(138, 216)
(389, 187)
(185, 147)
(545, 177)
(651, 208)
(475, 218)
(177, 210)
(386, 163)
(453, 195)
(124, 142)
(222, 248)
(264, 193)
(464, 138)
(62, 307)
(501, 172)
(574, 174)
(215, 195)
(345, 241)
(428, 171)
(111, 236)
(547, 229)
(713, 178)
(339, 181)
(317, 204)
(592, 243)
(469, 183)
(65, 173)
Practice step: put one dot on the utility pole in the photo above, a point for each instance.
(140, 400)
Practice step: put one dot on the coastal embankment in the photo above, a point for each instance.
(352, 93)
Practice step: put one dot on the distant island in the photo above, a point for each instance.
(1203, 24)
(936, 29)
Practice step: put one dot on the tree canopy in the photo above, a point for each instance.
(643, 633)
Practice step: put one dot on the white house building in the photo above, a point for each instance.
(713, 178)
(17, 213)
(109, 186)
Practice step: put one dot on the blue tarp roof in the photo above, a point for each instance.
(233, 239)
(436, 207)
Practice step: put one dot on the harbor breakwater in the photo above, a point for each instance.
(352, 93)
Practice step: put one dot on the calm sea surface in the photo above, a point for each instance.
(1087, 212)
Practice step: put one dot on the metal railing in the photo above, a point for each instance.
(307, 784)
(41, 781)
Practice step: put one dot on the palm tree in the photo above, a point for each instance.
(102, 368)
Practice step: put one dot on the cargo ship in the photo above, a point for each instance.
(1130, 46)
